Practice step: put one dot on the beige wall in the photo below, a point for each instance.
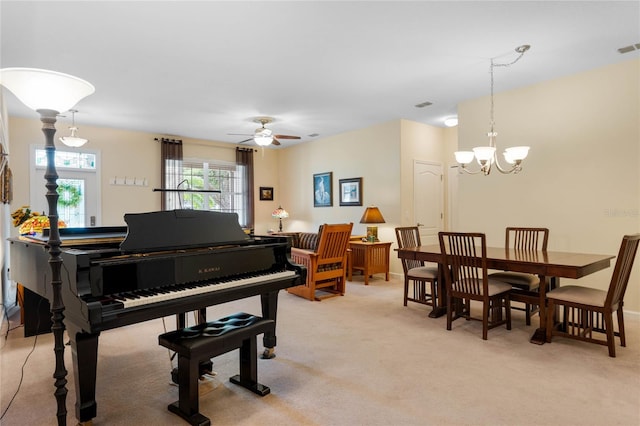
(372, 153)
(126, 153)
(582, 176)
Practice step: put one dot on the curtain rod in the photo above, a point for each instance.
(206, 144)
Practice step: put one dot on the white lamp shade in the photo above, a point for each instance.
(464, 157)
(484, 153)
(263, 137)
(516, 153)
(263, 140)
(73, 141)
(42, 89)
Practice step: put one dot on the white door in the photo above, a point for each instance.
(78, 203)
(428, 200)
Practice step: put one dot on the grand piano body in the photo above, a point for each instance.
(162, 263)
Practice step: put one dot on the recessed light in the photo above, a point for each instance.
(451, 121)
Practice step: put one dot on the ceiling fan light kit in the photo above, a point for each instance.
(263, 136)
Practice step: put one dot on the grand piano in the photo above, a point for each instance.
(161, 263)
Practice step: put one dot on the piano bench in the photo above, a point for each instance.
(204, 341)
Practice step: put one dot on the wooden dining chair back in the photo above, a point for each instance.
(326, 265)
(588, 310)
(465, 255)
(523, 240)
(415, 271)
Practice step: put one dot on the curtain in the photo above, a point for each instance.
(244, 163)
(171, 172)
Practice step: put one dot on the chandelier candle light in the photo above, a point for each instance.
(486, 155)
(49, 93)
(280, 214)
(372, 215)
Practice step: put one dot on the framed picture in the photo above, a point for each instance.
(351, 192)
(322, 189)
(266, 193)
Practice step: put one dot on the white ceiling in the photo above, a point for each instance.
(206, 69)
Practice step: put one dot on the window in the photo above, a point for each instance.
(78, 189)
(209, 175)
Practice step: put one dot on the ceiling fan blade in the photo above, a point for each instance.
(240, 134)
(286, 137)
(246, 140)
(275, 142)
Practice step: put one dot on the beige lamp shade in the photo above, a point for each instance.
(45, 90)
(372, 215)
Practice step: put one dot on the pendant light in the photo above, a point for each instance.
(73, 140)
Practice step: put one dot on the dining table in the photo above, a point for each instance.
(550, 266)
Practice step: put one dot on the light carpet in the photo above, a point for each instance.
(361, 359)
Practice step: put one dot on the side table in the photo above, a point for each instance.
(370, 258)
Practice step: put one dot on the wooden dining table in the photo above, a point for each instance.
(550, 266)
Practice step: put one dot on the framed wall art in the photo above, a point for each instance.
(266, 193)
(351, 192)
(322, 189)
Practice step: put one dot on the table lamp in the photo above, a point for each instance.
(280, 214)
(50, 93)
(372, 215)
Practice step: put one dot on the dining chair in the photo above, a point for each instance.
(588, 309)
(467, 279)
(416, 272)
(523, 240)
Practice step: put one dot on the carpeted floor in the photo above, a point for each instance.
(361, 359)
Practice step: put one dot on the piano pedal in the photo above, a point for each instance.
(206, 369)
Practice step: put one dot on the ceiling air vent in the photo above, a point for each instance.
(629, 48)
(424, 104)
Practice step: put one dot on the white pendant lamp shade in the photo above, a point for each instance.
(464, 157)
(484, 153)
(73, 141)
(516, 153)
(45, 90)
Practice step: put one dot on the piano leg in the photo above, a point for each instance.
(269, 303)
(84, 349)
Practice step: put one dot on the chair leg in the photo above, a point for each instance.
(608, 321)
(507, 302)
(449, 310)
(434, 295)
(527, 313)
(485, 319)
(406, 289)
(621, 325)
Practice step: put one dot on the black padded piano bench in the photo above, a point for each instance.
(202, 342)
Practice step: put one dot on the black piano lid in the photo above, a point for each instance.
(176, 229)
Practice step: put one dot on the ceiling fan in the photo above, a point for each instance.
(263, 136)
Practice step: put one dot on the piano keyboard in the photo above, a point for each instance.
(149, 296)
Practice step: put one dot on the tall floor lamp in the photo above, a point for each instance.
(50, 93)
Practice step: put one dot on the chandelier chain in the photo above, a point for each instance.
(492, 65)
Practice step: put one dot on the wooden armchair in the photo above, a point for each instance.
(326, 265)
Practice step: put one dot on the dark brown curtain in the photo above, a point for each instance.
(244, 163)
(171, 172)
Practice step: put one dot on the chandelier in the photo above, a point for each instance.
(486, 155)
